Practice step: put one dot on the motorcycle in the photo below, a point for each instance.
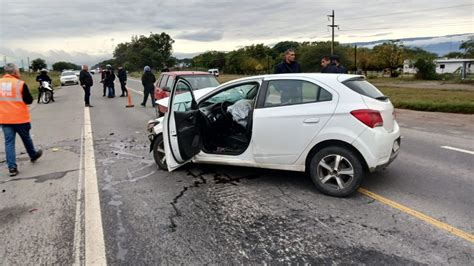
(46, 91)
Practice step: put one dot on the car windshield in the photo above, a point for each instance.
(362, 86)
(67, 73)
(201, 81)
(234, 94)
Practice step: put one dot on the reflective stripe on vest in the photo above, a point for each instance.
(6, 92)
(13, 110)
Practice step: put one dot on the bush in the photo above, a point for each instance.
(426, 69)
(395, 74)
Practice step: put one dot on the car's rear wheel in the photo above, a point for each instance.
(336, 171)
(159, 152)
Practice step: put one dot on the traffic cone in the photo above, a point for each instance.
(130, 104)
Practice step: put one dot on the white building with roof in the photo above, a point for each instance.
(455, 65)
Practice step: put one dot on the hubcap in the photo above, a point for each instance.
(335, 171)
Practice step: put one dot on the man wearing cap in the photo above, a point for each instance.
(148, 82)
(15, 116)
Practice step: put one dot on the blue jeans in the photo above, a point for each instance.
(9, 131)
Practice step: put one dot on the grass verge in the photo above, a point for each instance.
(433, 100)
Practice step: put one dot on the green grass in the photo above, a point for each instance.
(433, 100)
(30, 80)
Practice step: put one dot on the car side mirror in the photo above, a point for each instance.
(166, 89)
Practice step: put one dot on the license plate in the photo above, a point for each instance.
(396, 146)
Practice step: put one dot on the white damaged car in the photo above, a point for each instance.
(335, 127)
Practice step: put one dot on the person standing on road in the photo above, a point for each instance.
(109, 82)
(15, 116)
(288, 92)
(289, 64)
(148, 81)
(341, 69)
(122, 75)
(102, 80)
(86, 82)
(328, 66)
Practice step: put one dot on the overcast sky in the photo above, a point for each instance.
(87, 31)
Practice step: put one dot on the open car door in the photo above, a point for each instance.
(181, 131)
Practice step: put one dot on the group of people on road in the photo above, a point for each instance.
(15, 96)
(329, 64)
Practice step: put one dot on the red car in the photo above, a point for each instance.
(166, 82)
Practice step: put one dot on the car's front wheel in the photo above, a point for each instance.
(336, 171)
(159, 152)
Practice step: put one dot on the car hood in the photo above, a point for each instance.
(71, 76)
(198, 94)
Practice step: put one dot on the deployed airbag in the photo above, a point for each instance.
(240, 111)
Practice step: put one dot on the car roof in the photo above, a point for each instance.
(182, 73)
(318, 76)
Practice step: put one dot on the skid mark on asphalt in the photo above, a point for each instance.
(421, 216)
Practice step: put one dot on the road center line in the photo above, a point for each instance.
(78, 222)
(455, 231)
(139, 92)
(457, 149)
(94, 235)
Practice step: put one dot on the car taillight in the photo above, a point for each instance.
(371, 118)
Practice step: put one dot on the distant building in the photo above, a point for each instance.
(446, 65)
(408, 67)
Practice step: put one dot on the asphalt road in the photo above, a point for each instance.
(205, 214)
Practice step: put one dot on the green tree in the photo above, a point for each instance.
(281, 47)
(426, 69)
(389, 54)
(468, 47)
(454, 55)
(61, 65)
(38, 64)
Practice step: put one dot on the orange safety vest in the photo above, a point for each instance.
(12, 108)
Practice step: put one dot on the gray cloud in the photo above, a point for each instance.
(200, 36)
(25, 21)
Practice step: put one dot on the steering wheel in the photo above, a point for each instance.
(224, 109)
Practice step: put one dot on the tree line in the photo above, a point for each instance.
(156, 52)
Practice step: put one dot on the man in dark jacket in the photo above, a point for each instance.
(86, 82)
(122, 75)
(109, 81)
(335, 66)
(288, 65)
(102, 79)
(327, 66)
(43, 76)
(148, 81)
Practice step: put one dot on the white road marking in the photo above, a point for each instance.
(457, 149)
(94, 240)
(78, 223)
(139, 92)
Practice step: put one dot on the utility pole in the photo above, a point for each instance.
(22, 65)
(332, 27)
(5, 60)
(28, 64)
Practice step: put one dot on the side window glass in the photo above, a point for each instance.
(182, 96)
(289, 92)
(163, 81)
(170, 81)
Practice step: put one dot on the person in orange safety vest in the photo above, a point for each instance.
(15, 116)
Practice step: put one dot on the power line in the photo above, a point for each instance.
(406, 12)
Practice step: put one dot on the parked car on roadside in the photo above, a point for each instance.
(68, 77)
(167, 80)
(213, 71)
(335, 127)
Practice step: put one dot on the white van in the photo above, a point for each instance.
(214, 71)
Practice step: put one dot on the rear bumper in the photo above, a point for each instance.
(378, 147)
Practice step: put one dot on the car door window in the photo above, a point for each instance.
(183, 97)
(289, 92)
(170, 81)
(163, 81)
